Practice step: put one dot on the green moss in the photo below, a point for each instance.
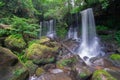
(100, 74)
(37, 50)
(115, 57)
(66, 62)
(19, 71)
(39, 71)
(15, 41)
(31, 67)
(82, 75)
(44, 60)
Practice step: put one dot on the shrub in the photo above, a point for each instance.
(117, 36)
(101, 27)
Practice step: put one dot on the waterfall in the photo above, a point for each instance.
(72, 33)
(89, 46)
(40, 33)
(51, 31)
(73, 3)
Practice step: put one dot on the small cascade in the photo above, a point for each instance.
(73, 3)
(89, 46)
(51, 31)
(48, 28)
(72, 33)
(40, 33)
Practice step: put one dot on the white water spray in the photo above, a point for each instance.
(89, 46)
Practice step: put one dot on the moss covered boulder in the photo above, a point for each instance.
(68, 62)
(15, 42)
(10, 67)
(102, 75)
(39, 71)
(115, 58)
(42, 52)
(31, 67)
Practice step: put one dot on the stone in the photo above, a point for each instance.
(10, 67)
(39, 71)
(102, 75)
(58, 76)
(41, 53)
(15, 42)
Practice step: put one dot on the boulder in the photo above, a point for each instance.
(42, 52)
(58, 76)
(115, 58)
(31, 67)
(15, 42)
(102, 75)
(10, 67)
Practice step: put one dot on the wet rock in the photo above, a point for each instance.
(10, 67)
(58, 76)
(103, 62)
(102, 75)
(47, 67)
(115, 58)
(82, 71)
(55, 71)
(114, 71)
(118, 50)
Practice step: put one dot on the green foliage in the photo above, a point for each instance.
(117, 36)
(21, 26)
(82, 75)
(101, 28)
(4, 32)
(15, 41)
(19, 71)
(21, 56)
(61, 30)
(1, 4)
(115, 57)
(5, 20)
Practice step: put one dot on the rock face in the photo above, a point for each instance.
(10, 66)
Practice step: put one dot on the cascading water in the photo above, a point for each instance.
(40, 30)
(72, 33)
(51, 32)
(89, 46)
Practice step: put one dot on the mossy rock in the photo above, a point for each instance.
(15, 42)
(44, 60)
(39, 53)
(40, 71)
(102, 75)
(115, 59)
(31, 67)
(66, 62)
(11, 68)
